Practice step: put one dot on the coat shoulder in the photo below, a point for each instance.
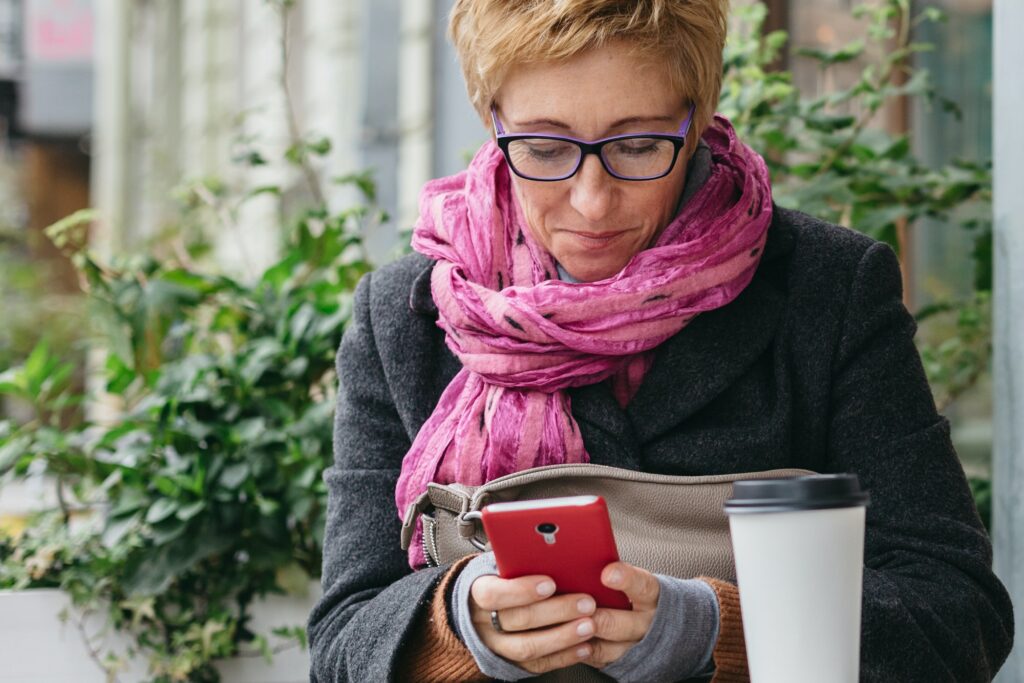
(818, 260)
(394, 281)
(814, 241)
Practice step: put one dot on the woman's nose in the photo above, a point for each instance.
(592, 193)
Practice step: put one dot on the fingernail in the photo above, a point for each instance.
(615, 576)
(585, 605)
(585, 629)
(583, 652)
(545, 588)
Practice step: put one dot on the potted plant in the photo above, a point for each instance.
(204, 495)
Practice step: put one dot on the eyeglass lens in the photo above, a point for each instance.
(637, 158)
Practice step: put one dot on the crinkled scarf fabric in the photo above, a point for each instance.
(524, 336)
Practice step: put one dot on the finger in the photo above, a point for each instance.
(555, 610)
(532, 645)
(640, 586)
(567, 657)
(622, 625)
(492, 592)
(605, 652)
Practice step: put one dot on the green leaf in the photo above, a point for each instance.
(167, 486)
(14, 449)
(363, 181)
(189, 511)
(829, 124)
(847, 53)
(250, 158)
(119, 527)
(321, 146)
(151, 573)
(262, 356)
(71, 229)
(167, 531)
(234, 475)
(161, 510)
(267, 507)
(300, 321)
(251, 430)
(274, 190)
(36, 369)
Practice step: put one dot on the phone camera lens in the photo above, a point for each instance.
(547, 528)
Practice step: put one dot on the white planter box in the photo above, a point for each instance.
(37, 647)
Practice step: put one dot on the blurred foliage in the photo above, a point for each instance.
(32, 309)
(981, 488)
(206, 486)
(830, 158)
(196, 487)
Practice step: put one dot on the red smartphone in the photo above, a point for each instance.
(569, 539)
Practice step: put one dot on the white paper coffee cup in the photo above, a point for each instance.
(799, 550)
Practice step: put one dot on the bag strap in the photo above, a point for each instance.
(589, 470)
(453, 498)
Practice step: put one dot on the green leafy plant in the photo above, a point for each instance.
(206, 488)
(830, 159)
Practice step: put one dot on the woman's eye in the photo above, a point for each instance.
(635, 147)
(549, 151)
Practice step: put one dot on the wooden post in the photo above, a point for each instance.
(56, 184)
(1008, 340)
(778, 20)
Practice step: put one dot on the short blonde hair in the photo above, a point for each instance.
(490, 36)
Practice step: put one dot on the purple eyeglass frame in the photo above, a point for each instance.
(591, 147)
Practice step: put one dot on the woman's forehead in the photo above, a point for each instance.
(610, 86)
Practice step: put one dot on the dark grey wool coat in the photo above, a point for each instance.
(812, 366)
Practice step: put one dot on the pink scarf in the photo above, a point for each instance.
(524, 336)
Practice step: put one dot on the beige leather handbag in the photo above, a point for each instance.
(665, 524)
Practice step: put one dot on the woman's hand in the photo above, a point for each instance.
(538, 632)
(541, 633)
(616, 630)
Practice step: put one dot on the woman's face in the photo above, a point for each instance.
(593, 223)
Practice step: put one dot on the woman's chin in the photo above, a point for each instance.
(592, 269)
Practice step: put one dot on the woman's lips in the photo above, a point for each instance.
(595, 240)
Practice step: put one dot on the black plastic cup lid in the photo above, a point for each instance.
(813, 492)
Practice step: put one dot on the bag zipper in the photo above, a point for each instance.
(430, 544)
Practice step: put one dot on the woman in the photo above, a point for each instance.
(610, 282)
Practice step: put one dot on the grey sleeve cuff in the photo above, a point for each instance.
(681, 639)
(490, 664)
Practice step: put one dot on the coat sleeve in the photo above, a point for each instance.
(933, 610)
(371, 598)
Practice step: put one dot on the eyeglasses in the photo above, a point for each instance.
(638, 156)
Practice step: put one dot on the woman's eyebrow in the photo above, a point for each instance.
(618, 123)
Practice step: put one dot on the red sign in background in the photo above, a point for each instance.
(59, 30)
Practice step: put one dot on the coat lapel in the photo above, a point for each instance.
(705, 358)
(692, 368)
(606, 429)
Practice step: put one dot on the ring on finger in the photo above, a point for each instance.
(495, 622)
